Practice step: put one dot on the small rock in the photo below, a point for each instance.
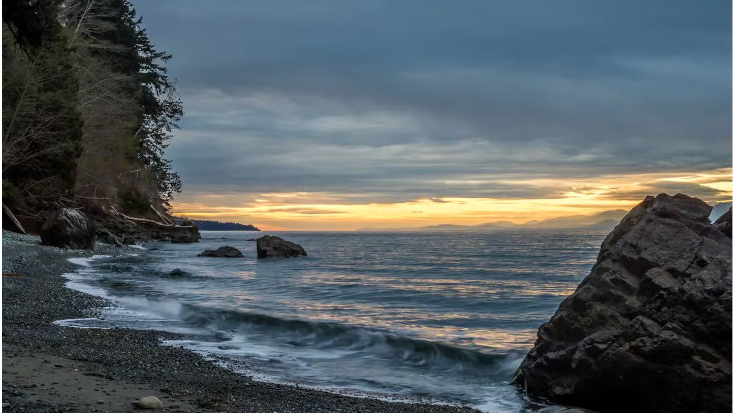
(100, 401)
(149, 403)
(222, 335)
(58, 365)
(226, 252)
(17, 393)
(177, 272)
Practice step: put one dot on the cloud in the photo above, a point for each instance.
(394, 101)
(639, 192)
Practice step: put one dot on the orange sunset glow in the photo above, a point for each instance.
(326, 211)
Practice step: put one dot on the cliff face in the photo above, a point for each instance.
(649, 329)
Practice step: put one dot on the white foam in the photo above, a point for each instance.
(81, 323)
(87, 261)
(140, 247)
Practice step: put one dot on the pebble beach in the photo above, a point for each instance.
(51, 368)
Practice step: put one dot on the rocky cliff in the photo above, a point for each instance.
(649, 329)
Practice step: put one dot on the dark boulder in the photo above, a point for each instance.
(270, 246)
(109, 239)
(69, 228)
(649, 329)
(177, 272)
(184, 233)
(225, 252)
(724, 223)
(128, 239)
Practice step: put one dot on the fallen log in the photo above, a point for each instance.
(10, 222)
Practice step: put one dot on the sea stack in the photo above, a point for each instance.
(649, 329)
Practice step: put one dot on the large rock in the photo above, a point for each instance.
(69, 228)
(108, 238)
(270, 246)
(649, 329)
(724, 223)
(187, 232)
(226, 252)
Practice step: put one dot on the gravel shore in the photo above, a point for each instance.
(49, 368)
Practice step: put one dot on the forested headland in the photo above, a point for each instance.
(88, 109)
(205, 225)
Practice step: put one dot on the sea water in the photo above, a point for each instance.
(440, 317)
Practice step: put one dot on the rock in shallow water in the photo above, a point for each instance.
(177, 272)
(270, 246)
(225, 252)
(649, 329)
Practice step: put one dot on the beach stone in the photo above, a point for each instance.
(271, 246)
(149, 403)
(69, 228)
(649, 329)
(225, 252)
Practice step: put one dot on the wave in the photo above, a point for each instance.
(366, 341)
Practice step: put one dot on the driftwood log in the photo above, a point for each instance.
(10, 222)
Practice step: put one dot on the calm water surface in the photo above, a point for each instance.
(442, 316)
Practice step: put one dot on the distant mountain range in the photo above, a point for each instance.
(606, 220)
(603, 221)
(719, 210)
(223, 226)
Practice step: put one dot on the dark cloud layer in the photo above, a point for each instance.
(400, 99)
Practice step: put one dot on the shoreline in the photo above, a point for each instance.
(47, 367)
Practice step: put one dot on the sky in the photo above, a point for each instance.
(340, 115)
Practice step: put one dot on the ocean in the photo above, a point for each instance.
(440, 317)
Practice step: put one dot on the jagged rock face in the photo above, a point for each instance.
(649, 329)
(225, 252)
(69, 228)
(270, 246)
